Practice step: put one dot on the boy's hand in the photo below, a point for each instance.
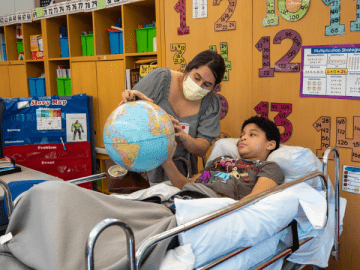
(171, 156)
(132, 95)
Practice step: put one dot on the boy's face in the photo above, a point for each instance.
(253, 143)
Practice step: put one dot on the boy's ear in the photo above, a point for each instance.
(271, 145)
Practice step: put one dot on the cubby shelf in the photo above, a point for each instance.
(101, 75)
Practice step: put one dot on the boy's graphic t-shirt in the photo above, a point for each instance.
(235, 178)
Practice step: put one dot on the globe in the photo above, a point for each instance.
(139, 136)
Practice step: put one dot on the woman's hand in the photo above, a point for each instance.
(179, 132)
(132, 95)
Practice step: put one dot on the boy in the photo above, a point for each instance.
(244, 177)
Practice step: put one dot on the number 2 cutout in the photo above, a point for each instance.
(181, 8)
(223, 23)
(283, 65)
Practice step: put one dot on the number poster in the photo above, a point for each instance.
(331, 71)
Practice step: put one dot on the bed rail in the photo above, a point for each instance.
(141, 251)
(326, 156)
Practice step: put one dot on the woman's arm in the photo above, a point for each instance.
(261, 185)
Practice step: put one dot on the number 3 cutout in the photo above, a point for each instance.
(223, 23)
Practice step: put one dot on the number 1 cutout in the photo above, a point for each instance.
(293, 16)
(335, 28)
(264, 46)
(270, 19)
(223, 23)
(181, 8)
(355, 25)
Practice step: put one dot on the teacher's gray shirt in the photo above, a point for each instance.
(205, 124)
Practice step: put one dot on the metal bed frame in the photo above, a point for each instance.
(137, 256)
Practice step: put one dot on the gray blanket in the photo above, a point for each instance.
(52, 222)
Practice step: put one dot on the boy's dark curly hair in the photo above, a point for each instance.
(269, 127)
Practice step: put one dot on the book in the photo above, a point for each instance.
(14, 169)
(131, 77)
(146, 69)
(6, 162)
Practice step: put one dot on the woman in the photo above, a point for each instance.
(189, 99)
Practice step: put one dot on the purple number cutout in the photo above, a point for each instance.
(180, 8)
(262, 109)
(264, 46)
(284, 65)
(224, 104)
(284, 110)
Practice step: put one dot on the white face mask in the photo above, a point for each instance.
(192, 91)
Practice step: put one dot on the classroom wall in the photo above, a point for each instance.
(296, 116)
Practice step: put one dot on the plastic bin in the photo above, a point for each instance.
(116, 42)
(4, 52)
(87, 43)
(20, 47)
(64, 45)
(142, 39)
(37, 87)
(64, 86)
(150, 38)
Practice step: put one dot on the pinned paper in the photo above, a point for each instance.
(225, 55)
(351, 179)
(101, 4)
(270, 19)
(351, 141)
(39, 12)
(199, 9)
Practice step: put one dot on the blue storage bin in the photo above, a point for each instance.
(37, 87)
(116, 42)
(4, 51)
(64, 45)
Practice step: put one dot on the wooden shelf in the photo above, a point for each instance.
(101, 76)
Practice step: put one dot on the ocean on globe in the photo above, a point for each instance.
(139, 136)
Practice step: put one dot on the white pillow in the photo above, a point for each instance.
(294, 161)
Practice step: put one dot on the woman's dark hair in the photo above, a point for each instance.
(269, 127)
(211, 59)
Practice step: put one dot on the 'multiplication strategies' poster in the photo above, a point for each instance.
(331, 71)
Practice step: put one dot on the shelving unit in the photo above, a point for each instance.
(101, 75)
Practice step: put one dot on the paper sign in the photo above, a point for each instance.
(351, 179)
(48, 119)
(199, 9)
(224, 53)
(39, 12)
(101, 4)
(90, 5)
(76, 128)
(331, 71)
(185, 127)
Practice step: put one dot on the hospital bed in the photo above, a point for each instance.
(287, 241)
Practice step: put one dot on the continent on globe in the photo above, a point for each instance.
(139, 136)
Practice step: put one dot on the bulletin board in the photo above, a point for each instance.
(54, 135)
(264, 43)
